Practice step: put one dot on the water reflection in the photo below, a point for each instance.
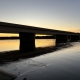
(63, 64)
(45, 42)
(8, 45)
(11, 56)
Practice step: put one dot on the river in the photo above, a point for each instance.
(9, 45)
(62, 64)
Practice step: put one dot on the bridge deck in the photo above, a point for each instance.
(16, 28)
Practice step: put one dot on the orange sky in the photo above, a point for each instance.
(52, 14)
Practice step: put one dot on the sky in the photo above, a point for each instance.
(52, 14)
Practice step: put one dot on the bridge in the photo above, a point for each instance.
(27, 34)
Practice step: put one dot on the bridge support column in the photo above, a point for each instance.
(27, 42)
(61, 38)
(75, 38)
(69, 38)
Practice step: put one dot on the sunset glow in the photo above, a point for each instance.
(52, 14)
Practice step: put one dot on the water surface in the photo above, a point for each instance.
(9, 45)
(63, 64)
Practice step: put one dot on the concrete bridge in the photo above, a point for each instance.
(27, 34)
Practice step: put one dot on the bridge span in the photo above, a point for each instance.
(27, 34)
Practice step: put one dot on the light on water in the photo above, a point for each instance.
(8, 45)
(44, 42)
(63, 64)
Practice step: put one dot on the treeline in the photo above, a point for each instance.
(36, 37)
(2, 38)
(44, 37)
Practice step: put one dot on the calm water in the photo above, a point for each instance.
(63, 64)
(8, 45)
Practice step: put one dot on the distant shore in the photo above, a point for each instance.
(5, 38)
(37, 37)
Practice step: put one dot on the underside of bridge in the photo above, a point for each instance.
(61, 38)
(27, 42)
(75, 38)
(66, 38)
(27, 34)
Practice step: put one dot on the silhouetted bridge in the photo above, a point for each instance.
(27, 34)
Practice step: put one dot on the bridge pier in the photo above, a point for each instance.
(69, 38)
(61, 38)
(75, 38)
(27, 42)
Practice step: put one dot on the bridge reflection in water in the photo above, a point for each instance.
(63, 64)
(10, 49)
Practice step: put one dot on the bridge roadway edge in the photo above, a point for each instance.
(27, 34)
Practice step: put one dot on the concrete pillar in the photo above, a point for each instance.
(75, 38)
(61, 38)
(27, 42)
(69, 38)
